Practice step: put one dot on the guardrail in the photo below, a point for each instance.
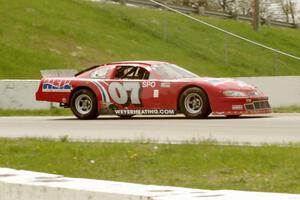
(202, 11)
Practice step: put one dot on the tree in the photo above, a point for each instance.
(226, 5)
(245, 7)
(288, 8)
(190, 3)
(285, 10)
(292, 8)
(201, 3)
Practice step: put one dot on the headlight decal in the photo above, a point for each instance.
(233, 93)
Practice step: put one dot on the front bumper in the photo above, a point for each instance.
(239, 106)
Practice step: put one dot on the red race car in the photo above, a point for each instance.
(151, 88)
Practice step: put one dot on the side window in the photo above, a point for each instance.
(100, 73)
(131, 72)
(141, 73)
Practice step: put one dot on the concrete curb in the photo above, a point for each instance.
(27, 185)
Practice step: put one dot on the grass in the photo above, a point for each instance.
(287, 109)
(203, 165)
(42, 112)
(37, 35)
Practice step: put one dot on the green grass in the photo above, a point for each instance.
(38, 35)
(204, 165)
(287, 109)
(42, 112)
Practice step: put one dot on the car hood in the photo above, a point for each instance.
(228, 84)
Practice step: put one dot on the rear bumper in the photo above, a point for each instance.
(39, 96)
(56, 97)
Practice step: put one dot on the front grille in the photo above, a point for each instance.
(249, 106)
(261, 104)
(258, 105)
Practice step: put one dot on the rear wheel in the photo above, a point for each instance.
(193, 103)
(84, 104)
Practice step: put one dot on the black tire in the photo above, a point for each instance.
(81, 98)
(193, 103)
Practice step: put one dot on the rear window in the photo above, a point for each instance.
(100, 73)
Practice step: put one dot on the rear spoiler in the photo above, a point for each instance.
(55, 73)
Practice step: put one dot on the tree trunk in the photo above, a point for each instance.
(292, 11)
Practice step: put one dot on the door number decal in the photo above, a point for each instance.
(126, 93)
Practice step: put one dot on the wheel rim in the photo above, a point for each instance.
(193, 103)
(83, 104)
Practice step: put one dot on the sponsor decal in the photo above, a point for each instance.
(155, 93)
(237, 107)
(165, 84)
(146, 112)
(56, 86)
(147, 84)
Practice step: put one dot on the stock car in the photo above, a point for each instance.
(151, 88)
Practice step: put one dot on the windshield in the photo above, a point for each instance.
(171, 71)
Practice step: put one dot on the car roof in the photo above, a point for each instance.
(151, 62)
(135, 62)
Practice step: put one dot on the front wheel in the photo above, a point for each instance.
(193, 103)
(84, 104)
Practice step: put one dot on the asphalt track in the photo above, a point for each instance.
(274, 128)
